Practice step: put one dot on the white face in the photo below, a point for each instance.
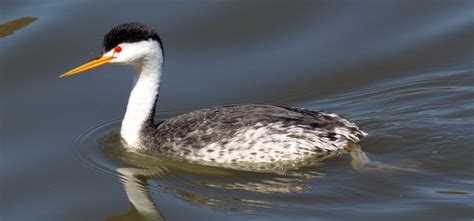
(134, 53)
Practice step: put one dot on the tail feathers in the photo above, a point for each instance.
(348, 129)
(353, 134)
(357, 136)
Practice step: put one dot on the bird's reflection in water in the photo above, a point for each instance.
(200, 184)
(143, 207)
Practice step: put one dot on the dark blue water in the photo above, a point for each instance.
(403, 70)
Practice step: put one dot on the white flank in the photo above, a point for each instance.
(259, 144)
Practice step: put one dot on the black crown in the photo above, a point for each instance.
(130, 32)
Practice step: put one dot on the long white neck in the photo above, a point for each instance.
(143, 97)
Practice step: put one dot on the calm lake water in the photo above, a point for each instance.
(403, 70)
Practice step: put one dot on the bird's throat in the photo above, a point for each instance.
(141, 104)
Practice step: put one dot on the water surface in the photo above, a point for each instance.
(402, 70)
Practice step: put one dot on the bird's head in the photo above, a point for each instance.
(129, 43)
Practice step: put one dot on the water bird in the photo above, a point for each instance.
(233, 134)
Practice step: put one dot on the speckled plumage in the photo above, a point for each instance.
(250, 134)
(230, 135)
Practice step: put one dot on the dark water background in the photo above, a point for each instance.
(403, 70)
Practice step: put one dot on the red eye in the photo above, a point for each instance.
(118, 49)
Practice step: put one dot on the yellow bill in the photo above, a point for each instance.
(89, 65)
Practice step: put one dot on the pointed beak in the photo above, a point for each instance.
(89, 65)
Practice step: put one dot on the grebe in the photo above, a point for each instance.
(239, 134)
